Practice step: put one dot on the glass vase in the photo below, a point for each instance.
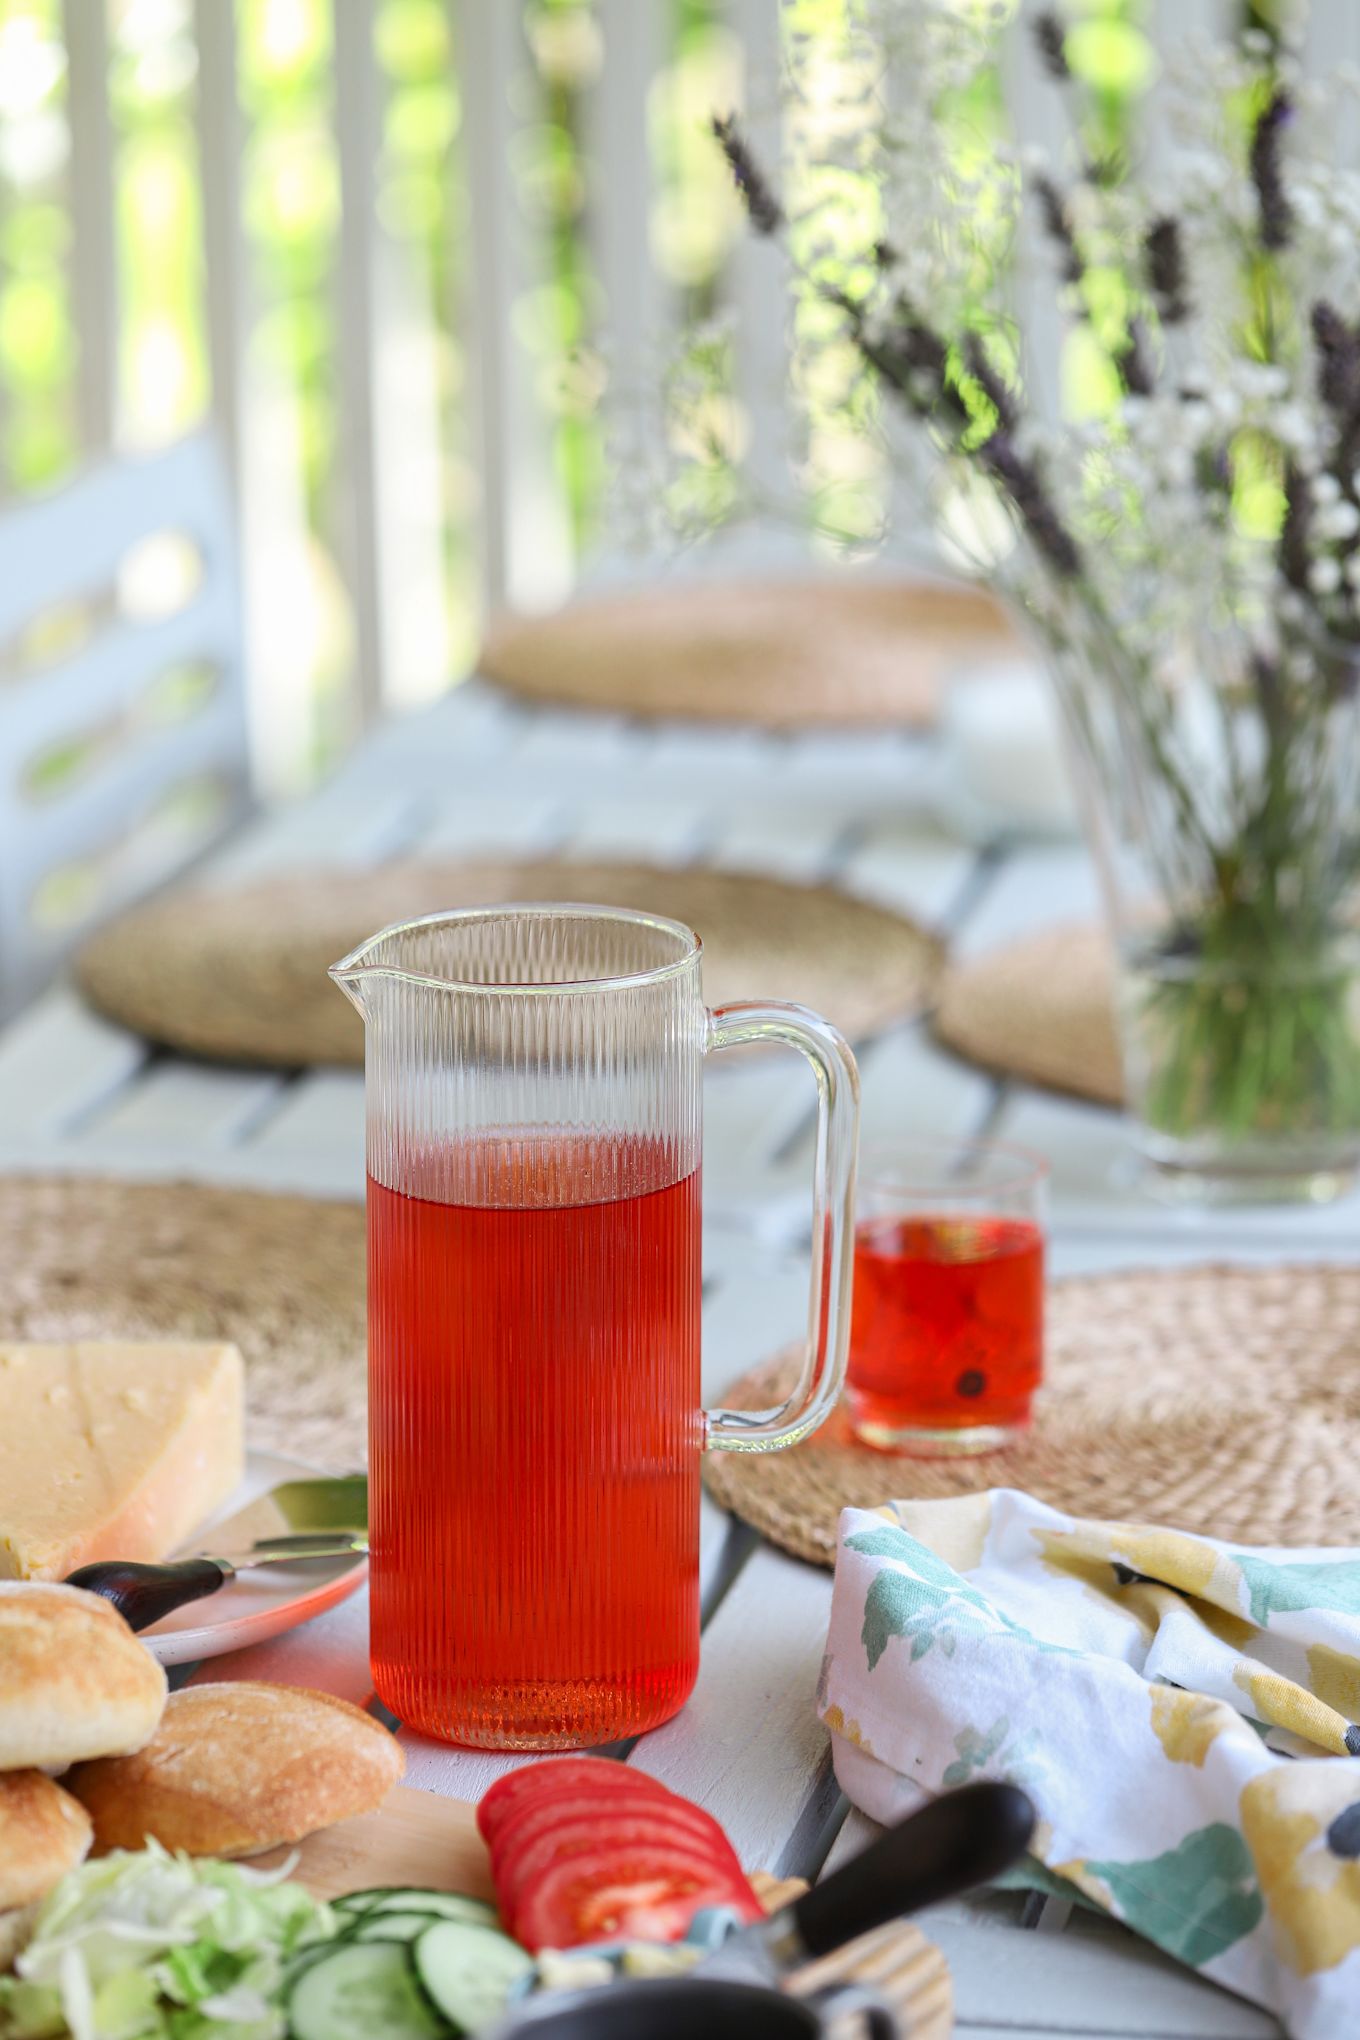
(1218, 782)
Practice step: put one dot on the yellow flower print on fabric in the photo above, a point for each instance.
(1280, 1702)
(1094, 1573)
(850, 1730)
(954, 1529)
(1185, 1563)
(1302, 1825)
(1187, 1724)
(1335, 1678)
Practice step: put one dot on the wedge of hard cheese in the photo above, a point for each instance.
(112, 1450)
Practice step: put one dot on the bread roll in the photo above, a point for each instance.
(235, 1769)
(74, 1680)
(43, 1834)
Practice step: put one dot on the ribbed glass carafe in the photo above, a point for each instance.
(534, 1109)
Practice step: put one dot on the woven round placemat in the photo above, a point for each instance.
(84, 1257)
(241, 975)
(1213, 1399)
(784, 654)
(1041, 1009)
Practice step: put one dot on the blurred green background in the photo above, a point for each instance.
(290, 201)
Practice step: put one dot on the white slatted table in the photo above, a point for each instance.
(477, 774)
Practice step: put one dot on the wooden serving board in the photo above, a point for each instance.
(415, 1838)
(419, 1838)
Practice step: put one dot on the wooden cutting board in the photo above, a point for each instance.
(414, 1838)
(418, 1838)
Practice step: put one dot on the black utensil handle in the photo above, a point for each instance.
(143, 1593)
(959, 1840)
(839, 2001)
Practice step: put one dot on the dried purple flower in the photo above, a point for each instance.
(766, 213)
(1022, 483)
(989, 382)
(1164, 261)
(1131, 359)
(1276, 216)
(1059, 227)
(914, 361)
(1298, 516)
(1338, 359)
(1050, 39)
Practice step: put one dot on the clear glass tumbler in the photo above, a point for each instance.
(947, 1329)
(534, 1109)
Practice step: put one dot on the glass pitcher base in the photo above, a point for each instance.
(552, 1715)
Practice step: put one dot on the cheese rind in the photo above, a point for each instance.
(114, 1449)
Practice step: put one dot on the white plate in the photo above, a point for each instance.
(260, 1604)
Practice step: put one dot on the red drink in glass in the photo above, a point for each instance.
(946, 1335)
(533, 1077)
(535, 1426)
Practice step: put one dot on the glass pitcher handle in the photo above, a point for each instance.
(833, 1190)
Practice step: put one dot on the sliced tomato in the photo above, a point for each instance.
(538, 1817)
(552, 1777)
(635, 1892)
(520, 1873)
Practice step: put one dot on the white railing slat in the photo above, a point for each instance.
(94, 279)
(524, 539)
(219, 169)
(758, 280)
(357, 110)
(622, 183)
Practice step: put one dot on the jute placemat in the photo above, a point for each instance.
(783, 654)
(241, 975)
(1041, 1009)
(1213, 1399)
(84, 1257)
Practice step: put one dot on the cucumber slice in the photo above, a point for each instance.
(468, 1971)
(364, 1901)
(444, 1905)
(360, 1990)
(391, 1926)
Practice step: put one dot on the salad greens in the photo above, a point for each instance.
(150, 1946)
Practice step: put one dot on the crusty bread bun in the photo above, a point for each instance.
(234, 1769)
(74, 1680)
(43, 1834)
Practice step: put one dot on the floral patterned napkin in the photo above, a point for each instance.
(1181, 1712)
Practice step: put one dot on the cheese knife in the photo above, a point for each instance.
(294, 1522)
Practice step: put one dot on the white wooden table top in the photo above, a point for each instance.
(477, 774)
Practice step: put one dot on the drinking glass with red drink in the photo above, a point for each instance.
(947, 1325)
(534, 1108)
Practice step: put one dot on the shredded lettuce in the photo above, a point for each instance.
(149, 1946)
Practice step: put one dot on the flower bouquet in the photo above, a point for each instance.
(1182, 530)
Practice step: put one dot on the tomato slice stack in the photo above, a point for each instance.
(584, 1849)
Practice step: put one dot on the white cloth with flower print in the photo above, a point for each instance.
(1180, 1711)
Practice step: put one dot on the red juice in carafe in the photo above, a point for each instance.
(946, 1330)
(534, 1418)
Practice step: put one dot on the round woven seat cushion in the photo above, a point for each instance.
(1211, 1399)
(241, 975)
(788, 655)
(1041, 1009)
(84, 1257)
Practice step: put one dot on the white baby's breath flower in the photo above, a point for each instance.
(1326, 489)
(1341, 520)
(1324, 575)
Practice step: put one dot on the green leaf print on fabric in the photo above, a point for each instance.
(1194, 1901)
(1279, 1589)
(908, 1550)
(974, 1751)
(930, 1605)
